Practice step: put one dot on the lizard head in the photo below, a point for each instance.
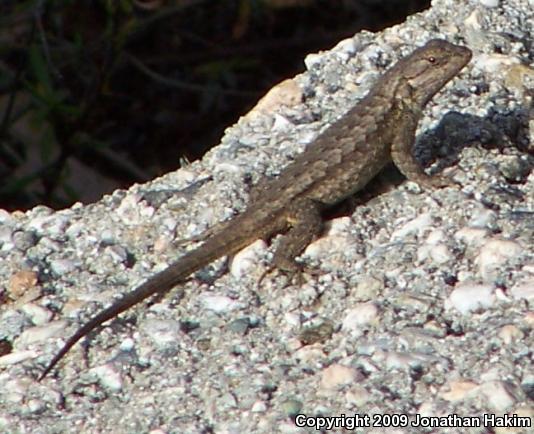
(430, 67)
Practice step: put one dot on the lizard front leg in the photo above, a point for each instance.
(402, 153)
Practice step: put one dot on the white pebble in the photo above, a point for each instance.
(437, 253)
(117, 253)
(330, 250)
(458, 390)
(281, 123)
(471, 236)
(127, 344)
(38, 315)
(494, 63)
(35, 406)
(436, 236)
(358, 396)
(311, 60)
(54, 224)
(360, 317)
(415, 226)
(510, 334)
(368, 288)
(523, 290)
(337, 375)
(108, 377)
(339, 226)
(469, 297)
(483, 219)
(218, 303)
(61, 267)
(247, 259)
(161, 332)
(259, 407)
(293, 319)
(489, 3)
(17, 357)
(401, 361)
(41, 333)
(347, 46)
(498, 394)
(493, 254)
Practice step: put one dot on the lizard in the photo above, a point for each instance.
(340, 161)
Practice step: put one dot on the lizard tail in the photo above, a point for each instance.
(213, 248)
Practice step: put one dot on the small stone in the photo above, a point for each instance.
(514, 168)
(347, 47)
(23, 240)
(17, 357)
(54, 224)
(361, 317)
(331, 250)
(494, 254)
(20, 283)
(437, 253)
(510, 333)
(458, 390)
(293, 319)
(312, 60)
(357, 396)
(117, 253)
(162, 333)
(498, 394)
(60, 267)
(308, 353)
(368, 288)
(35, 406)
(38, 315)
(415, 226)
(472, 237)
(41, 333)
(407, 301)
(239, 326)
(494, 63)
(529, 319)
(483, 219)
(108, 377)
(287, 93)
(127, 344)
(523, 290)
(336, 376)
(218, 303)
(247, 259)
(489, 3)
(467, 298)
(259, 407)
(402, 361)
(291, 407)
(319, 333)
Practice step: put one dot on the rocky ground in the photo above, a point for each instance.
(422, 312)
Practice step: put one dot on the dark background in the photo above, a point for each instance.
(96, 95)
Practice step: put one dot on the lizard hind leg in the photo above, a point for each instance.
(305, 224)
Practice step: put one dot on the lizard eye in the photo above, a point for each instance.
(432, 59)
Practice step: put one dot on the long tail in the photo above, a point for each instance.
(213, 248)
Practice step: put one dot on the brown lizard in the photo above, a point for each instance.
(339, 162)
